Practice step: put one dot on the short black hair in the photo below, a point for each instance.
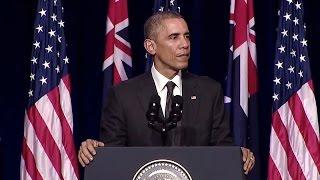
(154, 23)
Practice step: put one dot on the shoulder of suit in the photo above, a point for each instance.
(133, 82)
(202, 80)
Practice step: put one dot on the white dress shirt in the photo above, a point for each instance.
(160, 81)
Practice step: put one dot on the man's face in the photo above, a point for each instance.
(172, 45)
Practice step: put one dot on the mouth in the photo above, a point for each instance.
(183, 55)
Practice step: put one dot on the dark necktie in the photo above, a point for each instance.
(170, 86)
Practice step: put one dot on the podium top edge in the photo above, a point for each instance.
(169, 147)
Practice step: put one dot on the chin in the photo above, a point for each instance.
(182, 65)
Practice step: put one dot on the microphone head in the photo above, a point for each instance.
(176, 110)
(177, 102)
(152, 113)
(155, 100)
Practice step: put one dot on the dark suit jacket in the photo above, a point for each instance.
(204, 121)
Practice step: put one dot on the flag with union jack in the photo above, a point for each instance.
(159, 6)
(117, 64)
(48, 150)
(241, 83)
(294, 139)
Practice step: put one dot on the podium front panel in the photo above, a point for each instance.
(202, 163)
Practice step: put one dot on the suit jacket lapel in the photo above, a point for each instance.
(146, 90)
(190, 98)
(190, 95)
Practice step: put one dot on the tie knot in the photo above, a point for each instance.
(170, 85)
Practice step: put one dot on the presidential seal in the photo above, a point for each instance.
(162, 169)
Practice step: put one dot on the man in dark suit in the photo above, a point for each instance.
(204, 121)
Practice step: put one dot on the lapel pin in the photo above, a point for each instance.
(193, 97)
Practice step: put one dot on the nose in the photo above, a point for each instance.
(185, 42)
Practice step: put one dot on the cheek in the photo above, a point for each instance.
(169, 55)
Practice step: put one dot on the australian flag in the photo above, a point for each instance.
(117, 64)
(241, 82)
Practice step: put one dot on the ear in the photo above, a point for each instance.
(150, 46)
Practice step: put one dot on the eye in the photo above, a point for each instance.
(173, 37)
(187, 36)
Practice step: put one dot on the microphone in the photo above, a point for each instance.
(153, 112)
(163, 126)
(176, 112)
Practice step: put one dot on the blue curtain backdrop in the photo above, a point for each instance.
(85, 29)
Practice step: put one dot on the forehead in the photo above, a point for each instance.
(174, 25)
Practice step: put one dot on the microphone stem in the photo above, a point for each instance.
(164, 133)
(163, 137)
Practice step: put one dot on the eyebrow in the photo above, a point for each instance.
(177, 34)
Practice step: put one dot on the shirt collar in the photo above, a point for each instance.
(161, 81)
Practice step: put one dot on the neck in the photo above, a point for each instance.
(166, 72)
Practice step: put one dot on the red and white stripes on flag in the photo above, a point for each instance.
(294, 140)
(48, 150)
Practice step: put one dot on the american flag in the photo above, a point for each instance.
(241, 82)
(166, 5)
(48, 150)
(117, 65)
(159, 6)
(294, 139)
